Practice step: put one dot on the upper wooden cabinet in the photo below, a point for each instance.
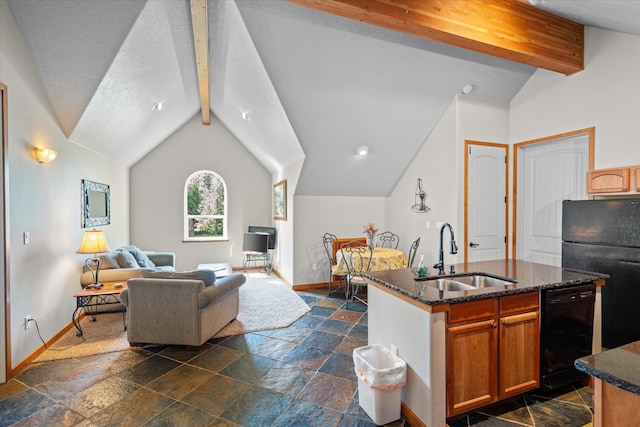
(608, 181)
(624, 180)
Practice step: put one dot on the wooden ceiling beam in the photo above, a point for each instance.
(200, 26)
(508, 29)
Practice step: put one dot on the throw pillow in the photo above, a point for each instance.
(141, 258)
(109, 261)
(207, 276)
(126, 260)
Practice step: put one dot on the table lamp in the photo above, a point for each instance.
(93, 242)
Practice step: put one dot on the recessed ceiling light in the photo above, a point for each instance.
(246, 116)
(157, 106)
(467, 89)
(362, 150)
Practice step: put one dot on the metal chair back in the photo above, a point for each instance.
(412, 252)
(357, 256)
(388, 239)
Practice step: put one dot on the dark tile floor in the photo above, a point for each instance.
(298, 376)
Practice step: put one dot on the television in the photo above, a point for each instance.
(255, 242)
(271, 231)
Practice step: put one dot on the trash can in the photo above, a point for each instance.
(381, 374)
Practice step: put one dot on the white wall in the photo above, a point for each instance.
(157, 193)
(341, 216)
(440, 164)
(44, 200)
(605, 95)
(284, 256)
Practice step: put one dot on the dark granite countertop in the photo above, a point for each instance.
(529, 277)
(619, 366)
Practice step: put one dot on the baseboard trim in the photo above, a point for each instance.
(308, 286)
(41, 349)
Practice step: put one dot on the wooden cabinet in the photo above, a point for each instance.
(624, 180)
(493, 350)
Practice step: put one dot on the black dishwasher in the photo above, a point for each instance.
(567, 333)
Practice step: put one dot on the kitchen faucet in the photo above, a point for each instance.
(453, 249)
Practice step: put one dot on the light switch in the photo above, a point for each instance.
(26, 238)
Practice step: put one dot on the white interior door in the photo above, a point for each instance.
(548, 173)
(486, 236)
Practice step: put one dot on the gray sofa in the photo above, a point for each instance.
(127, 262)
(183, 308)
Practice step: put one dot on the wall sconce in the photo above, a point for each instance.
(44, 155)
(419, 205)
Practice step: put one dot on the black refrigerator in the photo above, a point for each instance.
(604, 236)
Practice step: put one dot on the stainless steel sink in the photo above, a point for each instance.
(466, 282)
(482, 280)
(448, 285)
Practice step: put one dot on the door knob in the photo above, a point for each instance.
(474, 245)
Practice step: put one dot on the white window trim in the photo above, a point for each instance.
(186, 216)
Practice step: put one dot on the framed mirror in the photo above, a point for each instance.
(96, 208)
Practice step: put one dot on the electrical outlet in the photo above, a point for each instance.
(27, 321)
(314, 267)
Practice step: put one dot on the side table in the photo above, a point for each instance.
(88, 300)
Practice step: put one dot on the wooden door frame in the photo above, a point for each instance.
(468, 143)
(591, 132)
(4, 208)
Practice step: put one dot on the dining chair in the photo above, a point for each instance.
(357, 256)
(388, 239)
(328, 241)
(412, 252)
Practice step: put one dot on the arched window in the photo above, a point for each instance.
(205, 207)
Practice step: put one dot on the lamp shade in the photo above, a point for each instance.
(93, 242)
(44, 155)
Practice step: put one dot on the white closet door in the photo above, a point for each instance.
(549, 173)
(486, 209)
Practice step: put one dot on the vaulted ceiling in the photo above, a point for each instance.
(289, 82)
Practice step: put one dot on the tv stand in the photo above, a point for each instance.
(255, 257)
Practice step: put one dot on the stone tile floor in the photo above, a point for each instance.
(301, 375)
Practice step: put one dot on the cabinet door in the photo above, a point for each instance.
(472, 365)
(519, 353)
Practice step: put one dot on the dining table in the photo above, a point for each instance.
(381, 259)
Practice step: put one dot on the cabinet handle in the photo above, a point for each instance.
(493, 325)
(505, 323)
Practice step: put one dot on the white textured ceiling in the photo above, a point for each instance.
(314, 86)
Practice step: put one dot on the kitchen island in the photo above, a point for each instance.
(416, 319)
(616, 396)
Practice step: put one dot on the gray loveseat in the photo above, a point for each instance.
(127, 262)
(182, 307)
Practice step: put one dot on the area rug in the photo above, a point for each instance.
(265, 303)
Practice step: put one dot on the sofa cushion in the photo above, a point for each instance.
(207, 276)
(126, 260)
(141, 258)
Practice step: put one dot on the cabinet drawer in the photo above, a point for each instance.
(519, 302)
(472, 310)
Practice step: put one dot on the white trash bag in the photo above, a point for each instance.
(379, 368)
